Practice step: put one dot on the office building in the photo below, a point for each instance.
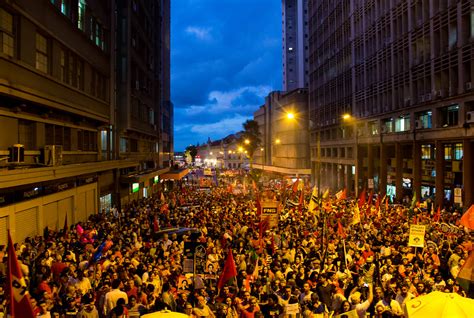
(295, 44)
(403, 71)
(62, 115)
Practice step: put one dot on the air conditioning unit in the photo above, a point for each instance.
(421, 98)
(407, 101)
(384, 129)
(53, 155)
(418, 124)
(468, 86)
(470, 117)
(428, 97)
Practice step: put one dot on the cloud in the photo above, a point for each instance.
(241, 100)
(199, 32)
(225, 60)
(224, 126)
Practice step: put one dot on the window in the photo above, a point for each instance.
(123, 145)
(26, 134)
(449, 115)
(426, 152)
(458, 152)
(62, 63)
(81, 13)
(41, 53)
(402, 123)
(6, 33)
(425, 118)
(448, 150)
(79, 74)
(65, 7)
(387, 123)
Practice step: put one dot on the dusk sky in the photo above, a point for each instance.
(225, 58)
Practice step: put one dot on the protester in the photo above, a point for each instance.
(320, 254)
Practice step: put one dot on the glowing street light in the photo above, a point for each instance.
(290, 115)
(247, 141)
(278, 141)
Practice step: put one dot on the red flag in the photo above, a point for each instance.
(230, 189)
(164, 207)
(361, 199)
(437, 216)
(467, 219)
(258, 204)
(295, 185)
(386, 204)
(377, 203)
(300, 204)
(263, 226)
(370, 198)
(340, 230)
(228, 272)
(156, 226)
(20, 306)
(65, 227)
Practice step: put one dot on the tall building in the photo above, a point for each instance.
(403, 71)
(60, 113)
(143, 107)
(284, 149)
(295, 44)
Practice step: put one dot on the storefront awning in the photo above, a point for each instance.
(175, 174)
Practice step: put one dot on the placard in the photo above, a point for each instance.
(417, 235)
(270, 212)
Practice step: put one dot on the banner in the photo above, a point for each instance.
(270, 212)
(417, 235)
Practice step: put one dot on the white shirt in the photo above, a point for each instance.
(112, 297)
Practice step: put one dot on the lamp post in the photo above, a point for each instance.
(350, 119)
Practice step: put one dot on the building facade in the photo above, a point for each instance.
(285, 141)
(403, 71)
(59, 116)
(295, 44)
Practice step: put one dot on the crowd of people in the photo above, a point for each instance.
(313, 264)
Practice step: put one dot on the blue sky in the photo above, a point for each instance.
(225, 58)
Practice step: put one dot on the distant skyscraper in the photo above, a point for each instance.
(295, 44)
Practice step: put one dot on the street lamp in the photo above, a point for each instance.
(350, 119)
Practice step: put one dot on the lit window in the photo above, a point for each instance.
(448, 150)
(41, 53)
(65, 7)
(426, 152)
(290, 49)
(6, 33)
(402, 124)
(426, 119)
(458, 152)
(81, 13)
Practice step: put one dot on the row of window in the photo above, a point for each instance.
(453, 151)
(71, 65)
(77, 11)
(69, 138)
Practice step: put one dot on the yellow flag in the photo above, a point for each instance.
(326, 194)
(356, 218)
(313, 201)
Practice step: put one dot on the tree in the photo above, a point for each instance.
(192, 151)
(250, 138)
